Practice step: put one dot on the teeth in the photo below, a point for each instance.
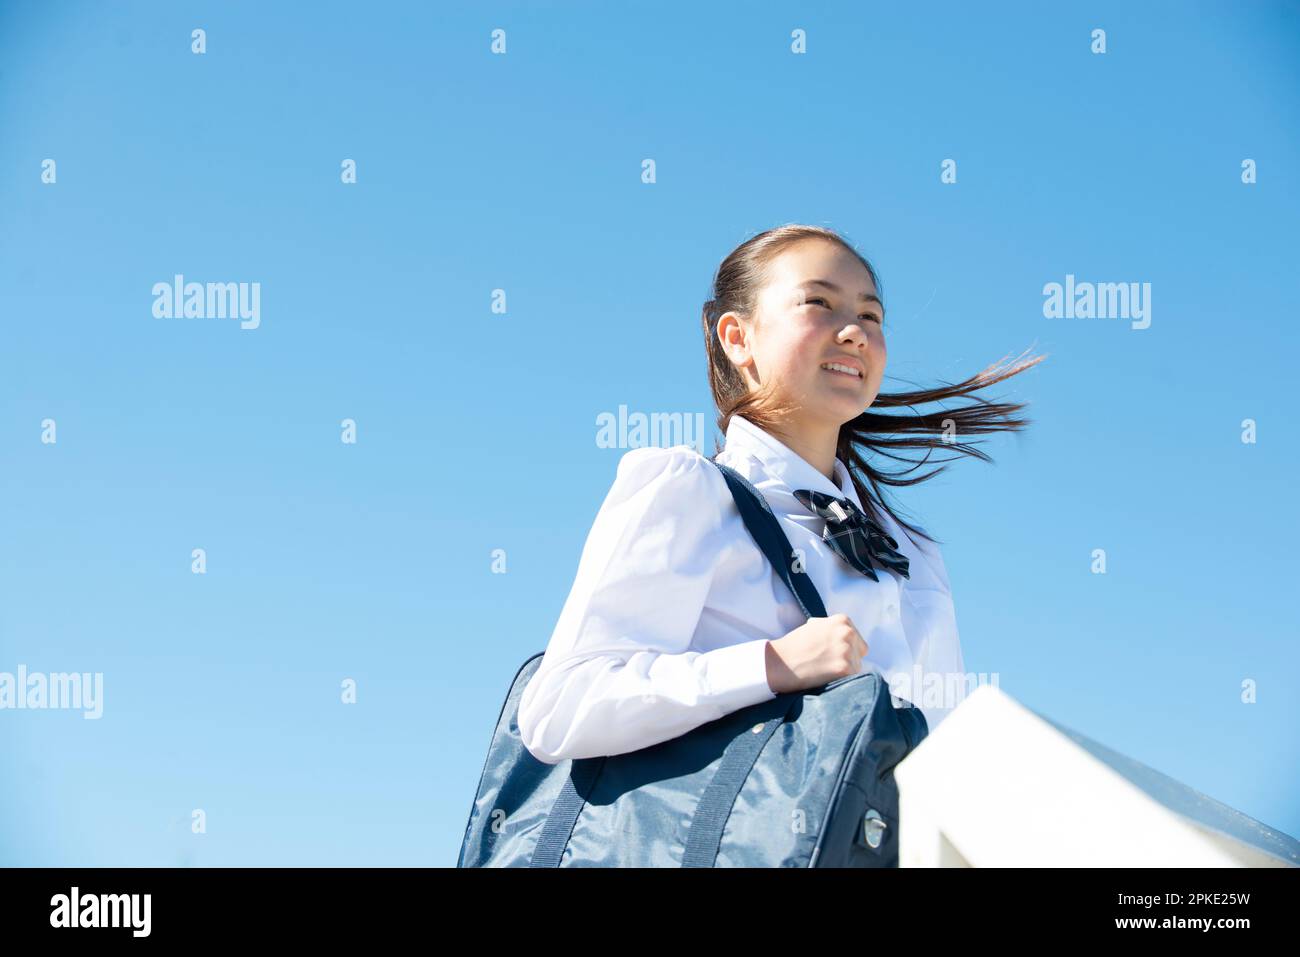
(841, 368)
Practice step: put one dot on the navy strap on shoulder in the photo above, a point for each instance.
(710, 818)
(766, 530)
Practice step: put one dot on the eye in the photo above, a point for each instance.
(866, 315)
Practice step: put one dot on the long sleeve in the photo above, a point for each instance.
(619, 674)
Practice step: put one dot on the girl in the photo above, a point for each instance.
(676, 617)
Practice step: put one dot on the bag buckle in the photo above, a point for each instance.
(873, 828)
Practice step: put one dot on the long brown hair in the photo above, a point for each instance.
(736, 285)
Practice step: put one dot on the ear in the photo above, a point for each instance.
(736, 339)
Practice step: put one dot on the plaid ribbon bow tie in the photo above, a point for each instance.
(854, 537)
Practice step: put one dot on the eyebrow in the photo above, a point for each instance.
(862, 296)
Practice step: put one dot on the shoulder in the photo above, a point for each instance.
(668, 475)
(678, 463)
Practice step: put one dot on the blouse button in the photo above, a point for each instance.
(891, 611)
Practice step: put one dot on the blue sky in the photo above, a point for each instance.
(477, 430)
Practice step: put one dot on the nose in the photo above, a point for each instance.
(853, 332)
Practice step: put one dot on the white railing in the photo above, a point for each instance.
(999, 785)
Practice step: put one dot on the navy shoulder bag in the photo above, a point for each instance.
(803, 780)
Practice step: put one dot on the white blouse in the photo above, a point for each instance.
(667, 623)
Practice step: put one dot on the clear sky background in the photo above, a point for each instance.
(477, 431)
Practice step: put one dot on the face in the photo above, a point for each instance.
(800, 324)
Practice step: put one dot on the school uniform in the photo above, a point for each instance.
(667, 622)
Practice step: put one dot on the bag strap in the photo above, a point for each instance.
(564, 812)
(704, 838)
(766, 530)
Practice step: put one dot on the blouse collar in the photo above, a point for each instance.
(784, 467)
(783, 463)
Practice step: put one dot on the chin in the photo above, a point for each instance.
(843, 408)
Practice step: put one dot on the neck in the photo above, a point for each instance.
(814, 442)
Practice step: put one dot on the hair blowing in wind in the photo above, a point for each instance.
(875, 434)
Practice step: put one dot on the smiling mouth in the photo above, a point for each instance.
(844, 371)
